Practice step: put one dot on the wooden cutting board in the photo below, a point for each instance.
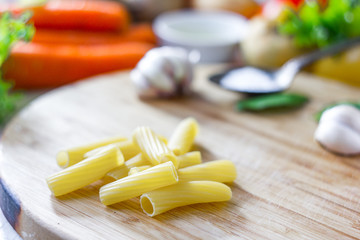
(288, 187)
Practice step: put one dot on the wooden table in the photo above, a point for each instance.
(288, 187)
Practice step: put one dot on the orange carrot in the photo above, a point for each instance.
(34, 65)
(81, 15)
(139, 32)
(142, 32)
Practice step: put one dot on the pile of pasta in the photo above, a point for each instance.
(165, 174)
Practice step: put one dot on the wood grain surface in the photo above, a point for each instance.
(288, 187)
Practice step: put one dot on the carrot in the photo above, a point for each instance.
(34, 65)
(142, 32)
(138, 32)
(81, 15)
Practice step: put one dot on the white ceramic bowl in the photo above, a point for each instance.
(215, 34)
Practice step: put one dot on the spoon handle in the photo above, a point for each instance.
(306, 59)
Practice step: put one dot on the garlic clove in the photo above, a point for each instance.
(345, 114)
(339, 130)
(144, 89)
(338, 138)
(167, 71)
(150, 66)
(179, 69)
(179, 59)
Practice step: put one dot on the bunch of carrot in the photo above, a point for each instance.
(75, 40)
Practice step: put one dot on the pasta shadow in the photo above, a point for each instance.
(82, 199)
(209, 211)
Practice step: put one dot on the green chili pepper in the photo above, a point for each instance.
(318, 115)
(285, 101)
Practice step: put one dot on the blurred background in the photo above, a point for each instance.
(72, 40)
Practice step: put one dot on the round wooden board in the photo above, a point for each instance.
(287, 186)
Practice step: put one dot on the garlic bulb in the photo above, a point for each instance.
(339, 130)
(164, 72)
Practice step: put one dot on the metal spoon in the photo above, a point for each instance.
(258, 81)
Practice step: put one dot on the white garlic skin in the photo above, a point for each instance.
(345, 114)
(163, 72)
(339, 130)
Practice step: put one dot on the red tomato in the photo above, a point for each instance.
(296, 3)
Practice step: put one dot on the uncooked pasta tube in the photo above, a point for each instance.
(123, 170)
(165, 174)
(219, 171)
(134, 170)
(152, 147)
(128, 148)
(183, 137)
(163, 139)
(84, 172)
(132, 186)
(67, 158)
(189, 159)
(184, 193)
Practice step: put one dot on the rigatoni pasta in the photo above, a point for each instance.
(183, 137)
(219, 171)
(165, 175)
(152, 147)
(128, 187)
(135, 170)
(123, 170)
(84, 172)
(189, 159)
(69, 157)
(128, 148)
(184, 193)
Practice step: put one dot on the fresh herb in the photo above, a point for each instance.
(318, 115)
(315, 26)
(276, 101)
(11, 30)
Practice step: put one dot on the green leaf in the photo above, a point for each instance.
(11, 30)
(7, 101)
(313, 26)
(318, 115)
(272, 101)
